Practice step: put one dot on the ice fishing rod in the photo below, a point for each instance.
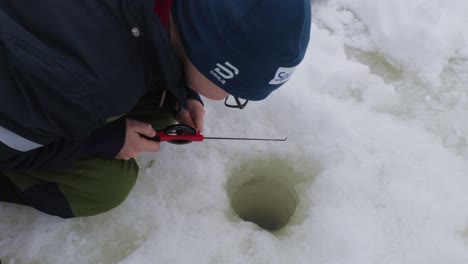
(183, 134)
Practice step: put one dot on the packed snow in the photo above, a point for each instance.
(377, 150)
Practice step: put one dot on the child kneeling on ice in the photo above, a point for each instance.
(83, 83)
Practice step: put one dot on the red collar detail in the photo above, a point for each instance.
(162, 8)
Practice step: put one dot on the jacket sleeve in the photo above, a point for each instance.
(107, 141)
(191, 94)
(61, 153)
(48, 114)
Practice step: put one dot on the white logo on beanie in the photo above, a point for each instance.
(222, 73)
(282, 75)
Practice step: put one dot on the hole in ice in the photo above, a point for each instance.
(269, 203)
(265, 192)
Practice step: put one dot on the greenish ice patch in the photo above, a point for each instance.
(378, 64)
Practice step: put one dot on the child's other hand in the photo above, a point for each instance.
(135, 143)
(194, 116)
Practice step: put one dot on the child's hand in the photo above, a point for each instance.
(194, 117)
(134, 142)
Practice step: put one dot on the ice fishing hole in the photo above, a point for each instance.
(265, 192)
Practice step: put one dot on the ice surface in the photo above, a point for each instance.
(377, 126)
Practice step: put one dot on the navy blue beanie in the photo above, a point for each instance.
(249, 48)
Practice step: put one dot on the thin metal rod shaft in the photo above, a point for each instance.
(257, 139)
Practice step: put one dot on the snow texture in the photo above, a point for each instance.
(377, 125)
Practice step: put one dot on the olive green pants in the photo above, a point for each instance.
(91, 186)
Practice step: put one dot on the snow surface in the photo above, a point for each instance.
(377, 126)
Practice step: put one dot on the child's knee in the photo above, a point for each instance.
(108, 190)
(90, 188)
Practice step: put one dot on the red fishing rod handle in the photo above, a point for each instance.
(177, 134)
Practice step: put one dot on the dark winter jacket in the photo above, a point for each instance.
(68, 66)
